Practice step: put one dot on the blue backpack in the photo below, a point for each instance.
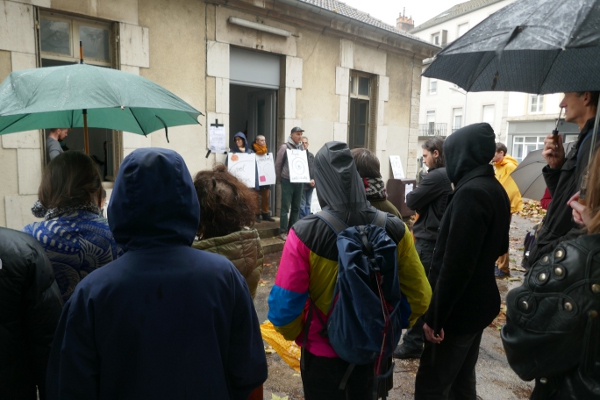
(368, 311)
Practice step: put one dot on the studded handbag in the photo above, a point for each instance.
(552, 326)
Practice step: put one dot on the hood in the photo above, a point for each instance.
(236, 149)
(507, 160)
(468, 148)
(339, 187)
(154, 202)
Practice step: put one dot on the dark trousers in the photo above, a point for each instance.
(321, 378)
(291, 195)
(447, 370)
(414, 337)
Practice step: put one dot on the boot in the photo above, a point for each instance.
(267, 217)
(257, 217)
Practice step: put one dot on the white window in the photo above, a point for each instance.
(522, 145)
(536, 103)
(462, 29)
(432, 86)
(457, 118)
(489, 114)
(435, 38)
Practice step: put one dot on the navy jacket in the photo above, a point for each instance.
(164, 321)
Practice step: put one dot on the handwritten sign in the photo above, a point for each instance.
(266, 169)
(407, 189)
(216, 139)
(243, 167)
(397, 169)
(298, 163)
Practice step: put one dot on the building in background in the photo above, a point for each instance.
(258, 66)
(520, 120)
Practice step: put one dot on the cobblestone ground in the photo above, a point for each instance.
(495, 379)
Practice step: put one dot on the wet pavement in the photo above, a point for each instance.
(495, 379)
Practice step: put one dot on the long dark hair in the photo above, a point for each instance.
(226, 204)
(436, 143)
(71, 179)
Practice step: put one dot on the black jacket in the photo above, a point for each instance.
(30, 306)
(473, 234)
(430, 199)
(563, 183)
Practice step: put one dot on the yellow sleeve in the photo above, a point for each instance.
(413, 281)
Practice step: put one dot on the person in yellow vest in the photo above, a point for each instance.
(504, 165)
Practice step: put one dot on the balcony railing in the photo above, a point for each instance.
(433, 129)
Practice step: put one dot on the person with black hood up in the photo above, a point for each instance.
(309, 267)
(473, 234)
(164, 321)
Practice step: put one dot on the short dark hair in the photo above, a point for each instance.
(366, 162)
(593, 99)
(71, 179)
(226, 204)
(436, 143)
(501, 147)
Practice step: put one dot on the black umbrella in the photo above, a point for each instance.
(528, 175)
(531, 46)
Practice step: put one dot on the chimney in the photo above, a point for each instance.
(404, 23)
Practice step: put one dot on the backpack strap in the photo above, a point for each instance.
(334, 222)
(380, 219)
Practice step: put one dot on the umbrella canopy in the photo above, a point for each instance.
(528, 175)
(56, 97)
(531, 46)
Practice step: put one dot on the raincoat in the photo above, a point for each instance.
(309, 260)
(164, 321)
(503, 170)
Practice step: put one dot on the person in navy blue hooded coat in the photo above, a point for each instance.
(164, 321)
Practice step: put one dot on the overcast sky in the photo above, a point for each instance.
(388, 10)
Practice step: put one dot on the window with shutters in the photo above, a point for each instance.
(362, 116)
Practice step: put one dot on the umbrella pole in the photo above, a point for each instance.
(86, 139)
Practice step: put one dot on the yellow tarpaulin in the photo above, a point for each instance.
(288, 350)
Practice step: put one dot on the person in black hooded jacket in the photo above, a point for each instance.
(473, 234)
(30, 305)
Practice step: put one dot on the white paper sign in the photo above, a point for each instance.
(315, 206)
(243, 167)
(266, 169)
(407, 189)
(216, 139)
(298, 163)
(397, 169)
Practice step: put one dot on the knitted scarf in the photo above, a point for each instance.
(42, 212)
(375, 188)
(258, 149)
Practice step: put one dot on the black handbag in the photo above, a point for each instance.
(552, 327)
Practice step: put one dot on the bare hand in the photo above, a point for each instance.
(431, 336)
(581, 213)
(312, 182)
(553, 152)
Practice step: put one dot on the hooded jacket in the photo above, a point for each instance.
(473, 234)
(309, 260)
(248, 150)
(30, 306)
(165, 320)
(503, 171)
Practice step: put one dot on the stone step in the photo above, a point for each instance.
(269, 232)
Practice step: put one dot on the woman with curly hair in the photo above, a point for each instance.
(76, 237)
(227, 215)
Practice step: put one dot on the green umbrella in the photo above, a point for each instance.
(59, 97)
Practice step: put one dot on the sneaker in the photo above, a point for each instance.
(404, 353)
(267, 217)
(499, 274)
(283, 236)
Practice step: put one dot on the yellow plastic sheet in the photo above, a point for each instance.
(288, 350)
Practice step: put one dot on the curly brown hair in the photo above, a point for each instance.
(226, 204)
(71, 179)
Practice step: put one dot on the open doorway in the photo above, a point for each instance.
(253, 111)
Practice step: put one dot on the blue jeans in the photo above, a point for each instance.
(291, 195)
(305, 203)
